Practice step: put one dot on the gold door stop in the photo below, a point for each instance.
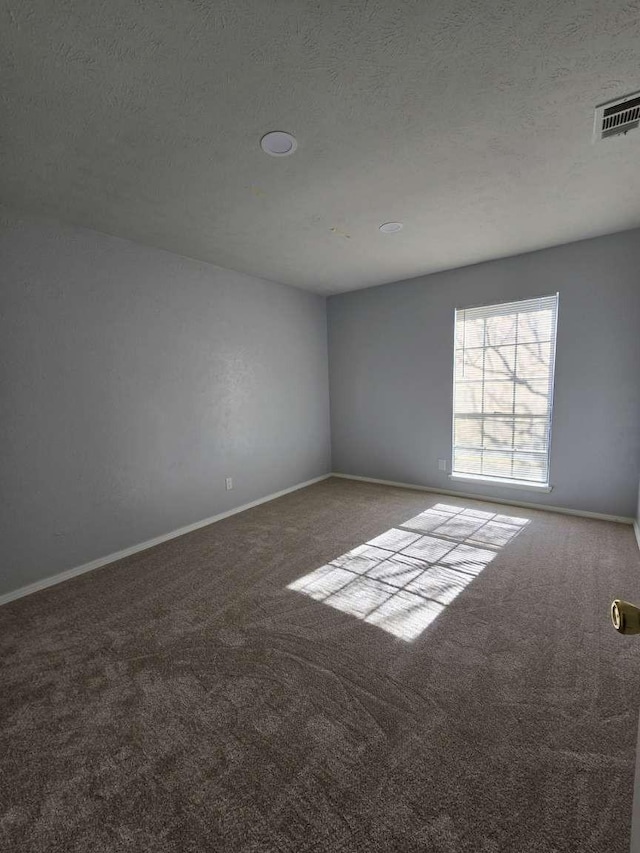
(625, 617)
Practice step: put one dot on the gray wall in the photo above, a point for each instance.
(391, 364)
(132, 382)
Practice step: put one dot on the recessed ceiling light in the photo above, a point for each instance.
(391, 227)
(278, 143)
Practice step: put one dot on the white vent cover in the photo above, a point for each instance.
(617, 117)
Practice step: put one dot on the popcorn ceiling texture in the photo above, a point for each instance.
(470, 122)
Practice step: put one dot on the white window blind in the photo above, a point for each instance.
(503, 389)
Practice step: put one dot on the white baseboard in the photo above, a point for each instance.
(142, 546)
(621, 519)
(636, 530)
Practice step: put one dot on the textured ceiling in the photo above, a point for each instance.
(470, 121)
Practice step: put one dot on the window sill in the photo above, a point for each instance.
(522, 485)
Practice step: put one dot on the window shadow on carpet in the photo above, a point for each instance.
(403, 579)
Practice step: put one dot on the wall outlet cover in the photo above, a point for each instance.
(228, 483)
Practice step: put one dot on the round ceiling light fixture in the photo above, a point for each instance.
(391, 227)
(278, 143)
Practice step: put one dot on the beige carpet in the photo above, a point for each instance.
(255, 686)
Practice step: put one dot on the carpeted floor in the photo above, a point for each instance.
(456, 686)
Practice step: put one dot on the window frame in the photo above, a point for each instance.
(509, 482)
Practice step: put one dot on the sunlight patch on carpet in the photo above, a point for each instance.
(404, 578)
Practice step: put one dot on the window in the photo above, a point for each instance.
(503, 391)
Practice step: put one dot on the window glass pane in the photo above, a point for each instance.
(501, 330)
(469, 363)
(496, 464)
(498, 397)
(473, 332)
(535, 326)
(531, 434)
(534, 360)
(468, 432)
(528, 466)
(499, 362)
(468, 397)
(532, 397)
(468, 462)
(498, 433)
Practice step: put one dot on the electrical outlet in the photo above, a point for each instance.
(442, 464)
(228, 483)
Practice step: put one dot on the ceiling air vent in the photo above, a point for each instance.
(617, 117)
